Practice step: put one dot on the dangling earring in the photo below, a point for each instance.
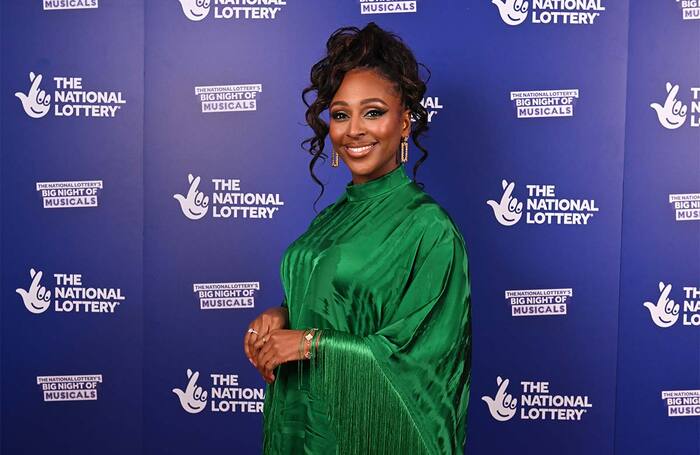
(404, 149)
(334, 158)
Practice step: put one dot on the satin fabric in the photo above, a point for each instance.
(383, 271)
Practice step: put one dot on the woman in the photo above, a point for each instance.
(371, 350)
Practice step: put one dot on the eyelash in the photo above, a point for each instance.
(379, 112)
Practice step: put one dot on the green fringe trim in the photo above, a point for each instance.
(366, 412)
(269, 413)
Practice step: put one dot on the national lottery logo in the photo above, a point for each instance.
(228, 98)
(672, 112)
(508, 210)
(502, 406)
(36, 102)
(198, 10)
(227, 201)
(665, 312)
(542, 207)
(194, 204)
(539, 302)
(513, 12)
(62, 195)
(690, 9)
(70, 4)
(37, 298)
(195, 10)
(70, 99)
(70, 388)
(566, 12)
(536, 402)
(70, 295)
(193, 399)
(544, 103)
(387, 6)
(222, 296)
(223, 393)
(686, 206)
(682, 403)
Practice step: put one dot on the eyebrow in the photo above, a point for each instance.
(364, 101)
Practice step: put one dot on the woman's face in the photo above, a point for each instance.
(367, 121)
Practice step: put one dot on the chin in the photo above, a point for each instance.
(363, 168)
(366, 169)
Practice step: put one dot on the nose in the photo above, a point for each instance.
(355, 127)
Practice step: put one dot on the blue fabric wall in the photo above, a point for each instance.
(125, 297)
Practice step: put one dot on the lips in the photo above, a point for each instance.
(359, 150)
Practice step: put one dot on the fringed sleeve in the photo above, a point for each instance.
(405, 389)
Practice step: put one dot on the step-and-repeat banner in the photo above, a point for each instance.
(151, 178)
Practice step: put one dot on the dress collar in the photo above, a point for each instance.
(380, 185)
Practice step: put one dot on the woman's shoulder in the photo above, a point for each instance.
(431, 218)
(327, 210)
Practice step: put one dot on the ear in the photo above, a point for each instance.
(406, 123)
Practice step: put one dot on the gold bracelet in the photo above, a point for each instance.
(308, 336)
(301, 343)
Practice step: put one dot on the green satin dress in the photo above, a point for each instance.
(383, 271)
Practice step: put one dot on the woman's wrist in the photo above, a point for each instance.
(308, 345)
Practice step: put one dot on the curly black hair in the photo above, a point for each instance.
(372, 48)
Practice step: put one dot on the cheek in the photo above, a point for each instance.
(335, 133)
(383, 129)
(386, 129)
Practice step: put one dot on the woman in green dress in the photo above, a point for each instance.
(370, 353)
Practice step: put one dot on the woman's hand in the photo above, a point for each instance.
(278, 347)
(269, 320)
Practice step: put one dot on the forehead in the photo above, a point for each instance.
(359, 84)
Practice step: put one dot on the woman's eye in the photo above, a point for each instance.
(338, 115)
(375, 113)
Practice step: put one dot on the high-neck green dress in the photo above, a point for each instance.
(383, 271)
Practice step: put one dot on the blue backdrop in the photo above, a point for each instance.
(151, 178)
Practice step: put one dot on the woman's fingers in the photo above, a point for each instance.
(271, 347)
(246, 349)
(251, 338)
(267, 322)
(267, 356)
(263, 355)
(258, 344)
(248, 341)
(263, 332)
